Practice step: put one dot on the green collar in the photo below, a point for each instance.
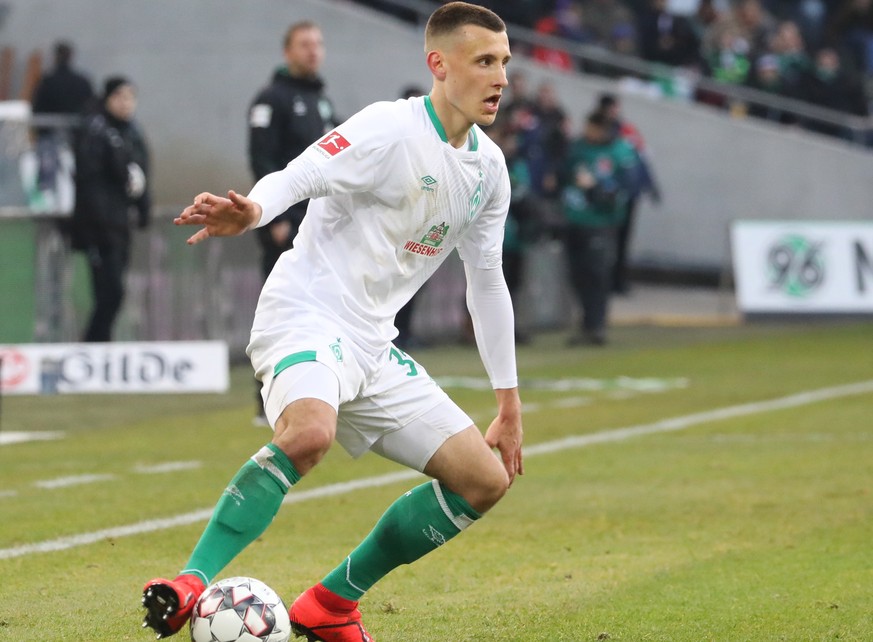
(473, 141)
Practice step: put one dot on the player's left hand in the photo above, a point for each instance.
(505, 434)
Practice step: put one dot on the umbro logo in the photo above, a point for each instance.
(427, 183)
(434, 535)
(235, 493)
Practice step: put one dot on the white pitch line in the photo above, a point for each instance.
(72, 480)
(606, 436)
(152, 525)
(680, 423)
(166, 467)
(21, 436)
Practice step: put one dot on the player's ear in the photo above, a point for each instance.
(436, 64)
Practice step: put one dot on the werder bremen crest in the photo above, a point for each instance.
(337, 349)
(436, 235)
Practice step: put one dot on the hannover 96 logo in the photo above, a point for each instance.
(795, 266)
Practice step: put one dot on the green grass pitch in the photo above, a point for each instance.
(683, 505)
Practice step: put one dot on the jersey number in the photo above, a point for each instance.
(403, 361)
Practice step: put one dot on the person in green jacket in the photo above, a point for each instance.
(597, 178)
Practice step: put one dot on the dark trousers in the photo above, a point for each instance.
(270, 250)
(513, 271)
(620, 282)
(403, 323)
(591, 259)
(108, 262)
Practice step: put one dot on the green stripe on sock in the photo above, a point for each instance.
(276, 463)
(457, 506)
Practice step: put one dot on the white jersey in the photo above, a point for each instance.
(390, 200)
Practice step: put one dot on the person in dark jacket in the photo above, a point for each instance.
(67, 93)
(829, 84)
(287, 116)
(63, 90)
(112, 195)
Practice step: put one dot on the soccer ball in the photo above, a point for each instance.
(240, 609)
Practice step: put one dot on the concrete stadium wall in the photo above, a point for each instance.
(199, 62)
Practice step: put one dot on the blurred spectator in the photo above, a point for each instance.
(568, 21)
(623, 40)
(750, 22)
(641, 181)
(829, 84)
(573, 21)
(533, 134)
(112, 194)
(66, 92)
(63, 90)
(521, 12)
(810, 16)
(666, 38)
(522, 220)
(729, 60)
(790, 51)
(517, 97)
(523, 119)
(553, 135)
(707, 15)
(597, 180)
(851, 26)
(767, 76)
(605, 18)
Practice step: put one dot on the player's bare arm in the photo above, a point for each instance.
(505, 432)
(219, 216)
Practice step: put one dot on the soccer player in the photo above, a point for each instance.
(392, 190)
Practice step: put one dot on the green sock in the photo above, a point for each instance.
(414, 525)
(245, 509)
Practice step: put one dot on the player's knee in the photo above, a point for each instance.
(305, 445)
(489, 488)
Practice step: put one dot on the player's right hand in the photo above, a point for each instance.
(219, 216)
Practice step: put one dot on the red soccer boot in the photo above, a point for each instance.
(169, 603)
(317, 615)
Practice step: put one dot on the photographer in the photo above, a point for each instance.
(597, 177)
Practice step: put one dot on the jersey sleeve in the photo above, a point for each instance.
(482, 246)
(490, 306)
(349, 157)
(346, 160)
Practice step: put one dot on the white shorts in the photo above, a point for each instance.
(389, 405)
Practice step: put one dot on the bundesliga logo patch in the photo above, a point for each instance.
(333, 143)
